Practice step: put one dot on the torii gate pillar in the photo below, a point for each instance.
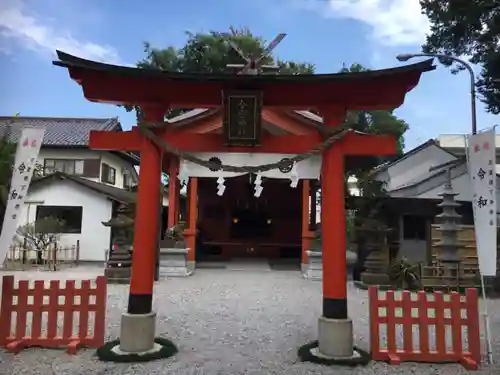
(335, 330)
(138, 323)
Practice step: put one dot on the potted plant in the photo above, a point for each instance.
(403, 274)
(176, 235)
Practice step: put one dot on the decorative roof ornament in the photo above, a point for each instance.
(253, 64)
(216, 164)
(285, 165)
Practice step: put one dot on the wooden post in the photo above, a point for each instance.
(333, 226)
(190, 232)
(306, 233)
(333, 235)
(146, 223)
(312, 216)
(173, 191)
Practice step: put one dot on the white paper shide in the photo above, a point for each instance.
(25, 162)
(481, 159)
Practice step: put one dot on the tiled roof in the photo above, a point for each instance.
(59, 132)
(117, 194)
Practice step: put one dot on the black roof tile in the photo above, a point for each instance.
(59, 132)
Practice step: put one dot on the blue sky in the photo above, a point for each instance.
(327, 33)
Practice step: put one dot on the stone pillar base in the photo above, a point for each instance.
(314, 269)
(174, 263)
(303, 269)
(137, 334)
(335, 338)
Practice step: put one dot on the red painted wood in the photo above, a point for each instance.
(146, 218)
(276, 197)
(430, 313)
(190, 232)
(307, 235)
(51, 338)
(333, 224)
(173, 188)
(383, 92)
(352, 144)
(473, 332)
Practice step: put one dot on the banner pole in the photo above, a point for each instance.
(486, 322)
(484, 313)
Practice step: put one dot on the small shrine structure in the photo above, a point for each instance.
(241, 98)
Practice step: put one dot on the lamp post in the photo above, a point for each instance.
(408, 56)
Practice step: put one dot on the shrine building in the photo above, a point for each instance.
(252, 157)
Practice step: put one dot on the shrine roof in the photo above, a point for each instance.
(370, 90)
(70, 61)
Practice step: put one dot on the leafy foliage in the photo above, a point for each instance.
(40, 235)
(176, 234)
(210, 53)
(468, 28)
(404, 274)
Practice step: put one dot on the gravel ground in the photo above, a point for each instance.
(230, 322)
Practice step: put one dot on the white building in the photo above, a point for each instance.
(419, 177)
(455, 143)
(79, 185)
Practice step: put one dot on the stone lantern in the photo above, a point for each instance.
(119, 262)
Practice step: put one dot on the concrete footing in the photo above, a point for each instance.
(137, 333)
(335, 338)
(313, 270)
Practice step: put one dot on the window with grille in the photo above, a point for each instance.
(70, 216)
(108, 174)
(68, 166)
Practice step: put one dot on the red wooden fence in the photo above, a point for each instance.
(60, 314)
(431, 314)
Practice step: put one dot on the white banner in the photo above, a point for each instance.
(481, 165)
(27, 151)
(307, 169)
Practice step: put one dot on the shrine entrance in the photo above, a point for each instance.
(243, 100)
(240, 225)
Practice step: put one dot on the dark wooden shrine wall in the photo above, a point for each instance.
(281, 203)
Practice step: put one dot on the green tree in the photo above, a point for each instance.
(371, 122)
(210, 53)
(468, 28)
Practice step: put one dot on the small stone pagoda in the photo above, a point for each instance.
(449, 226)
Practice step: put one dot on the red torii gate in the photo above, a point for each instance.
(156, 91)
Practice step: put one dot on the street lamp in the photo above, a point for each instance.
(408, 56)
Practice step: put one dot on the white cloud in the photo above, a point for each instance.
(393, 22)
(19, 25)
